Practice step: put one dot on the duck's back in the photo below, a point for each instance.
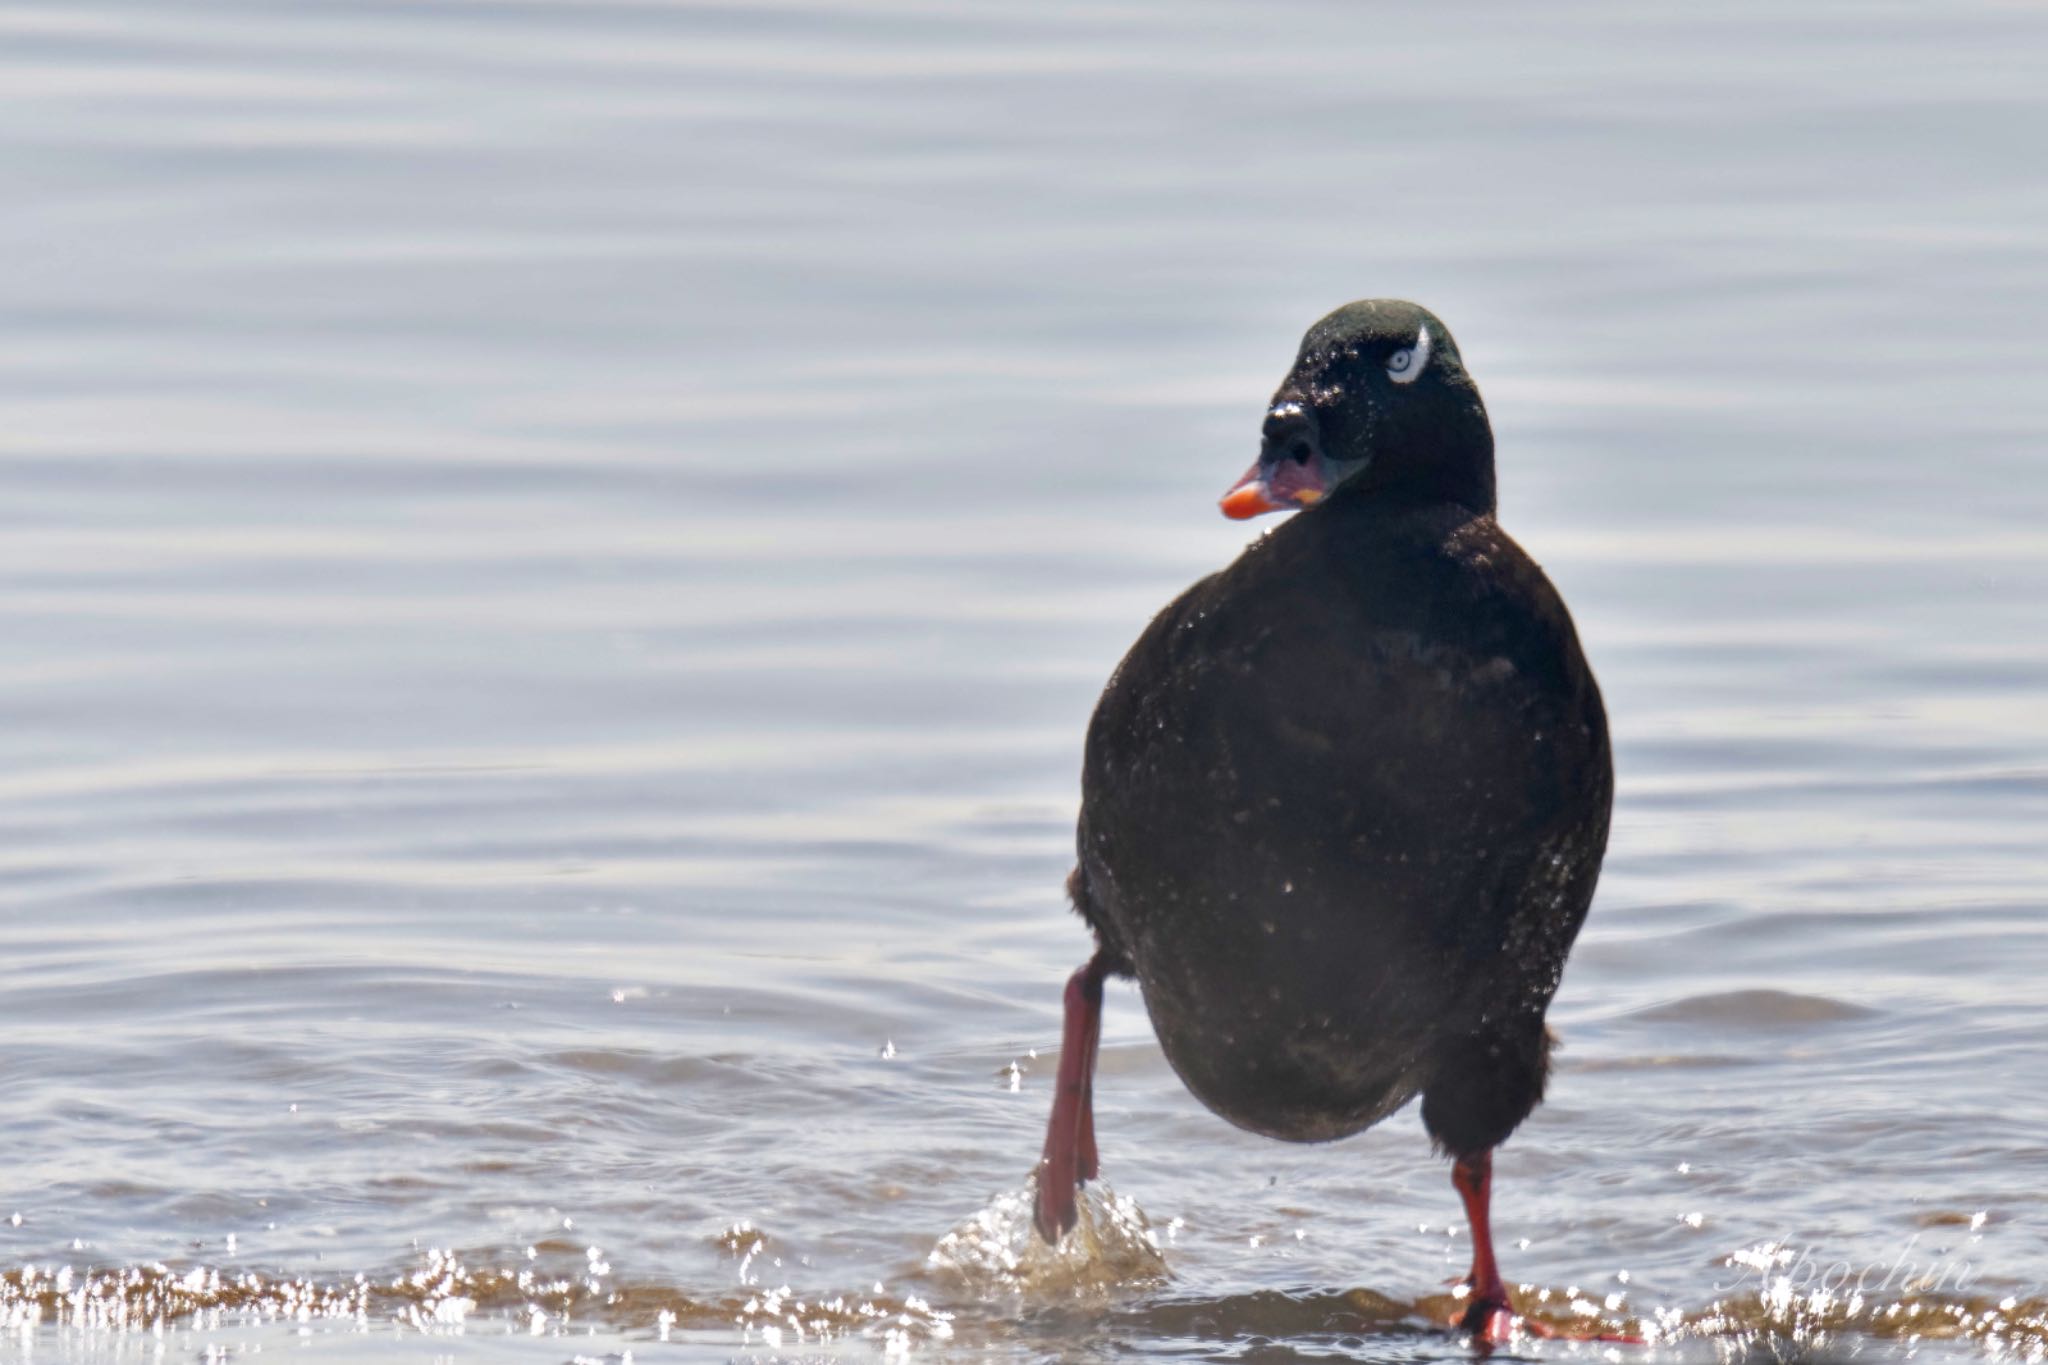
(1344, 804)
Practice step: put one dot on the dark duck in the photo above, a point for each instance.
(1344, 802)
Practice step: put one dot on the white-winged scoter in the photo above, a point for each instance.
(1344, 803)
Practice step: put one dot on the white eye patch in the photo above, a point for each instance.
(1405, 364)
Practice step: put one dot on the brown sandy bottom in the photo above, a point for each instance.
(988, 1288)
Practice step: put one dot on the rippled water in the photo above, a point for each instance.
(554, 559)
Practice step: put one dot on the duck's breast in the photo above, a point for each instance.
(1338, 798)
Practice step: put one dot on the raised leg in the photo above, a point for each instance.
(1069, 1157)
(1086, 1164)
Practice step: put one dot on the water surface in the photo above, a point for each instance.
(554, 559)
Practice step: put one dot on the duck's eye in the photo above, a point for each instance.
(1408, 362)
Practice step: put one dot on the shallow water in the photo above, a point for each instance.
(554, 560)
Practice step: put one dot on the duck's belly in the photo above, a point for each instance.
(1285, 1078)
(1304, 966)
(1289, 1020)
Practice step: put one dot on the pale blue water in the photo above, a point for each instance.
(554, 559)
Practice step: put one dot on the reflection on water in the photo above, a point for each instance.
(554, 560)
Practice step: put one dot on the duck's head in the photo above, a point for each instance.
(1378, 402)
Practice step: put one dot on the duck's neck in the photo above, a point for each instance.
(1432, 481)
(1448, 458)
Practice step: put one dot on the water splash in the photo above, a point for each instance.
(997, 1251)
(780, 1317)
(1781, 1317)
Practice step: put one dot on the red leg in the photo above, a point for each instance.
(1069, 1155)
(1086, 1166)
(1490, 1317)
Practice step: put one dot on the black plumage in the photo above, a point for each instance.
(1345, 801)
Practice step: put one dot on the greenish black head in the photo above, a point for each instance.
(1378, 403)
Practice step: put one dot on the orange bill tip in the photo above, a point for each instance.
(1248, 498)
